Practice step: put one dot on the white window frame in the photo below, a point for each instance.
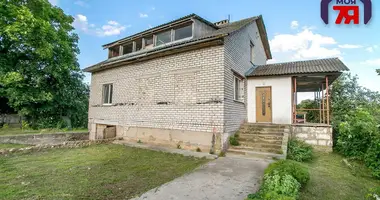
(110, 93)
(251, 52)
(239, 94)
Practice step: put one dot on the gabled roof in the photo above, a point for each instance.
(219, 32)
(300, 67)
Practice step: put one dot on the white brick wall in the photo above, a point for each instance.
(182, 91)
(237, 58)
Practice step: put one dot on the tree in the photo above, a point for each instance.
(378, 71)
(39, 72)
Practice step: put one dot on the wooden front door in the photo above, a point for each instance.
(263, 104)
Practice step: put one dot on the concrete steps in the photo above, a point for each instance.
(260, 141)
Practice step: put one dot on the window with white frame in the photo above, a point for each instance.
(238, 89)
(107, 93)
(252, 55)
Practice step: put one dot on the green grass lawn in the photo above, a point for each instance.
(330, 178)
(97, 172)
(9, 146)
(19, 131)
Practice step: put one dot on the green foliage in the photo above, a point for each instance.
(312, 115)
(372, 157)
(5, 126)
(283, 184)
(299, 150)
(293, 168)
(373, 194)
(234, 140)
(222, 154)
(198, 149)
(25, 125)
(39, 74)
(355, 134)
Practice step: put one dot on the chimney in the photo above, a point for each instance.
(222, 23)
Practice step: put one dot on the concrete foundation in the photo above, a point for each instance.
(184, 139)
(317, 135)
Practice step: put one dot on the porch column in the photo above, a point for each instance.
(294, 99)
(323, 105)
(327, 100)
(320, 105)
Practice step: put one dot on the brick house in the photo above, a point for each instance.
(192, 83)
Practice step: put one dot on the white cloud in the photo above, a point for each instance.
(150, 26)
(273, 60)
(350, 46)
(373, 62)
(143, 15)
(294, 24)
(81, 3)
(109, 29)
(54, 2)
(369, 49)
(304, 45)
(153, 8)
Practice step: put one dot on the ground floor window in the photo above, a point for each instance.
(107, 93)
(238, 89)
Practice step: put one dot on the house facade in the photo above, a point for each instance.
(188, 83)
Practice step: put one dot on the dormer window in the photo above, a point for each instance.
(127, 48)
(162, 38)
(183, 32)
(180, 32)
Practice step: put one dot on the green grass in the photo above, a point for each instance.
(96, 172)
(19, 131)
(330, 178)
(9, 146)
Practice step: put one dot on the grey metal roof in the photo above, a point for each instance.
(300, 67)
(221, 32)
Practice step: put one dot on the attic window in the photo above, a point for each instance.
(113, 51)
(162, 38)
(138, 44)
(183, 32)
(148, 42)
(128, 48)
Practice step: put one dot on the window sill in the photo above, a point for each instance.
(238, 101)
(107, 104)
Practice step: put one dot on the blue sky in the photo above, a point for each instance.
(295, 29)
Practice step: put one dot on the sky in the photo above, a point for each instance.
(294, 27)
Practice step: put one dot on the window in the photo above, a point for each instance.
(238, 89)
(148, 42)
(107, 93)
(128, 48)
(252, 55)
(183, 32)
(162, 38)
(113, 51)
(138, 44)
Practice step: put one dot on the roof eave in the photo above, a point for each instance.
(264, 36)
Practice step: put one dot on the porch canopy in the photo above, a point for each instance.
(307, 76)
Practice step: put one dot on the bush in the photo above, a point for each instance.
(299, 151)
(372, 157)
(356, 133)
(293, 168)
(234, 140)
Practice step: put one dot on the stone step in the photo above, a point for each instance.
(263, 126)
(265, 144)
(259, 149)
(263, 132)
(254, 154)
(257, 137)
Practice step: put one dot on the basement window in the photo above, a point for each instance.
(163, 38)
(183, 32)
(128, 48)
(107, 94)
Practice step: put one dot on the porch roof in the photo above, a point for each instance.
(328, 65)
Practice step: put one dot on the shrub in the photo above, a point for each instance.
(299, 151)
(5, 126)
(372, 157)
(234, 140)
(355, 134)
(289, 167)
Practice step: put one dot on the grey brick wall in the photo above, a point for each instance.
(182, 91)
(237, 58)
